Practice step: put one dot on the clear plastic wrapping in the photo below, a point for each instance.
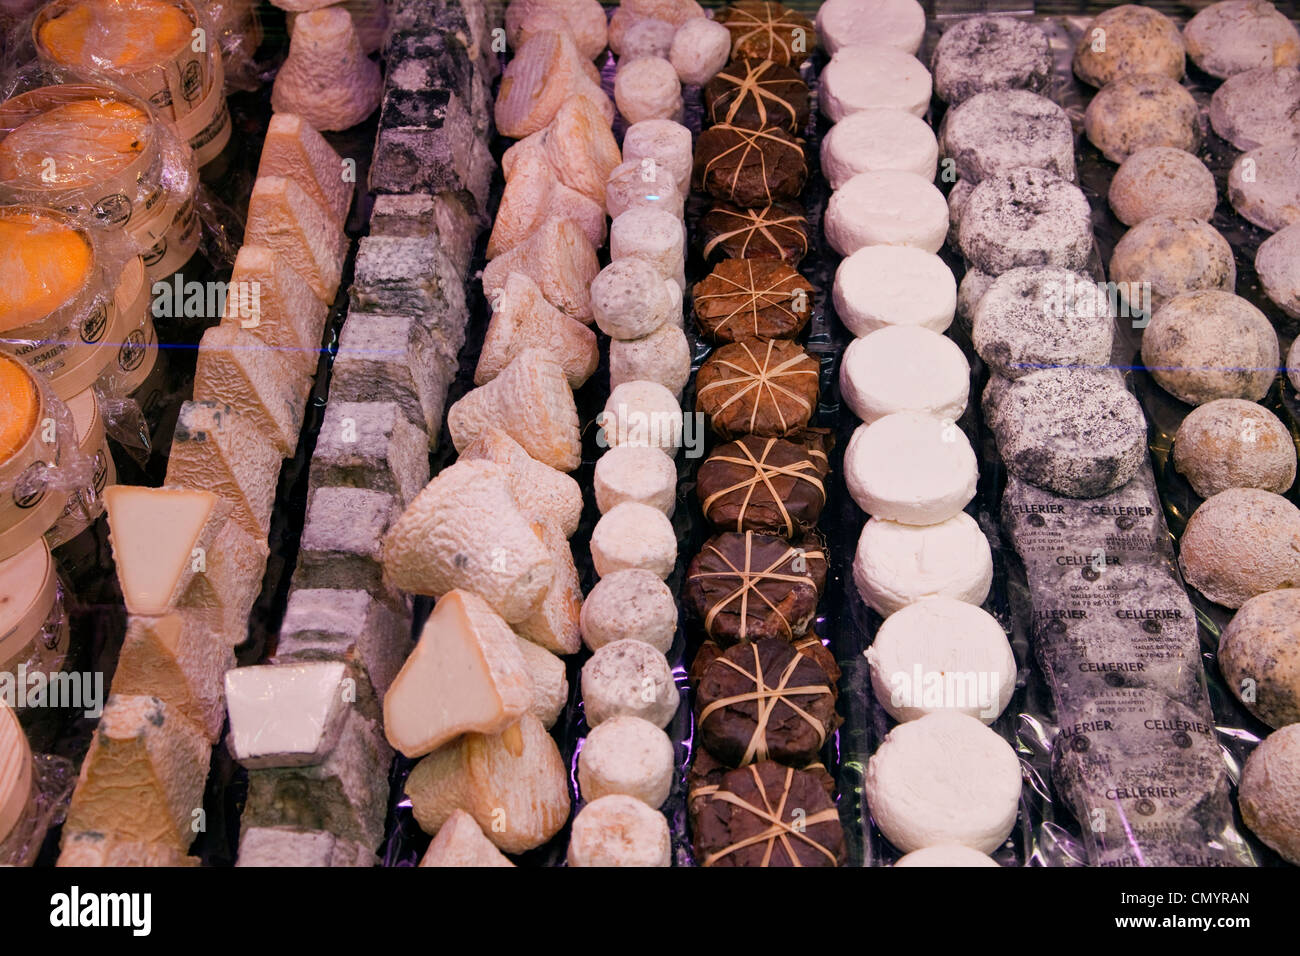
(53, 779)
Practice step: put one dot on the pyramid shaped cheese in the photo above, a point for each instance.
(100, 849)
(293, 149)
(461, 842)
(560, 258)
(533, 194)
(286, 715)
(465, 675)
(584, 19)
(224, 590)
(554, 625)
(237, 369)
(273, 302)
(326, 78)
(521, 319)
(577, 144)
(532, 403)
(283, 217)
(463, 531)
(216, 448)
(546, 70)
(177, 659)
(143, 777)
(550, 682)
(159, 538)
(540, 490)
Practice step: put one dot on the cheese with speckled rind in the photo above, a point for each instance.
(94, 848)
(663, 356)
(1240, 543)
(531, 402)
(1226, 38)
(634, 473)
(1027, 217)
(626, 755)
(889, 208)
(549, 679)
(285, 219)
(1160, 258)
(618, 830)
(461, 842)
(218, 449)
(1269, 795)
(1259, 654)
(179, 660)
(294, 149)
(1141, 110)
(1264, 185)
(911, 467)
(466, 675)
(273, 302)
(628, 677)
(577, 144)
(540, 490)
(560, 258)
(898, 564)
(465, 531)
(1162, 181)
(629, 299)
(654, 235)
(944, 778)
(981, 53)
(546, 70)
(879, 286)
(1232, 443)
(633, 535)
(993, 133)
(142, 779)
(1278, 265)
(1129, 39)
(326, 78)
(159, 536)
(633, 603)
(904, 368)
(554, 623)
(534, 194)
(662, 147)
(864, 75)
(515, 785)
(236, 369)
(523, 319)
(1257, 107)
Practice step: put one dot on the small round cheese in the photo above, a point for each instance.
(1269, 796)
(636, 183)
(946, 854)
(628, 677)
(1161, 181)
(1264, 185)
(942, 654)
(626, 755)
(1257, 107)
(904, 368)
(1141, 110)
(1167, 257)
(993, 133)
(973, 286)
(879, 286)
(661, 146)
(1129, 39)
(632, 535)
(899, 564)
(886, 208)
(1227, 38)
(646, 476)
(896, 23)
(619, 831)
(635, 603)
(700, 48)
(879, 138)
(1240, 543)
(641, 413)
(628, 299)
(911, 467)
(648, 36)
(867, 74)
(1277, 264)
(1232, 443)
(1259, 654)
(663, 356)
(1027, 217)
(654, 235)
(647, 88)
(981, 53)
(944, 778)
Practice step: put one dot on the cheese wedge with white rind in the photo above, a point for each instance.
(294, 149)
(268, 298)
(286, 715)
(550, 682)
(464, 531)
(101, 849)
(534, 194)
(236, 369)
(143, 777)
(523, 319)
(179, 660)
(218, 449)
(461, 842)
(466, 675)
(158, 536)
(283, 217)
(514, 785)
(560, 258)
(578, 145)
(540, 490)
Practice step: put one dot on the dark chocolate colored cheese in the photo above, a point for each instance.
(810, 645)
(749, 167)
(758, 94)
(768, 31)
(752, 299)
(758, 388)
(763, 484)
(777, 231)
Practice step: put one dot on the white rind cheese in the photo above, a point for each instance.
(879, 286)
(911, 467)
(282, 217)
(628, 677)
(294, 150)
(887, 207)
(646, 476)
(619, 831)
(863, 75)
(946, 854)
(905, 369)
(461, 842)
(626, 755)
(554, 624)
(286, 715)
(879, 138)
(268, 298)
(632, 535)
(898, 564)
(549, 679)
(540, 490)
(633, 603)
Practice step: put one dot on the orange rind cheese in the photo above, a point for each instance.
(20, 406)
(46, 263)
(74, 144)
(123, 36)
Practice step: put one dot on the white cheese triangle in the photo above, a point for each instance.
(285, 715)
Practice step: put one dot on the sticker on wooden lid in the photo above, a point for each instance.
(15, 771)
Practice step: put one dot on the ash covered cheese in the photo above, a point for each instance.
(896, 23)
(911, 467)
(628, 677)
(286, 715)
(290, 846)
(461, 842)
(661, 148)
(1026, 217)
(983, 53)
(1240, 543)
(1259, 654)
(142, 779)
(1264, 185)
(863, 75)
(1078, 433)
(218, 449)
(945, 855)
(944, 778)
(898, 564)
(1231, 443)
(1270, 794)
(618, 830)
(941, 654)
(888, 208)
(879, 137)
(1257, 107)
(630, 604)
(878, 286)
(633, 535)
(663, 356)
(342, 538)
(654, 235)
(370, 445)
(904, 369)
(973, 286)
(995, 132)
(642, 414)
(631, 473)
(234, 368)
(466, 675)
(539, 489)
(285, 219)
(626, 755)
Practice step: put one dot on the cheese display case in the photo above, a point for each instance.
(457, 433)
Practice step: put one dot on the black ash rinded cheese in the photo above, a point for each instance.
(995, 132)
(990, 53)
(1027, 217)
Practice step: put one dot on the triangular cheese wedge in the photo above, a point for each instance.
(466, 675)
(554, 625)
(179, 660)
(578, 144)
(522, 319)
(224, 589)
(237, 369)
(539, 490)
(295, 150)
(143, 777)
(286, 715)
(461, 842)
(99, 849)
(272, 301)
(532, 195)
(560, 258)
(159, 537)
(546, 70)
(216, 448)
(286, 219)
